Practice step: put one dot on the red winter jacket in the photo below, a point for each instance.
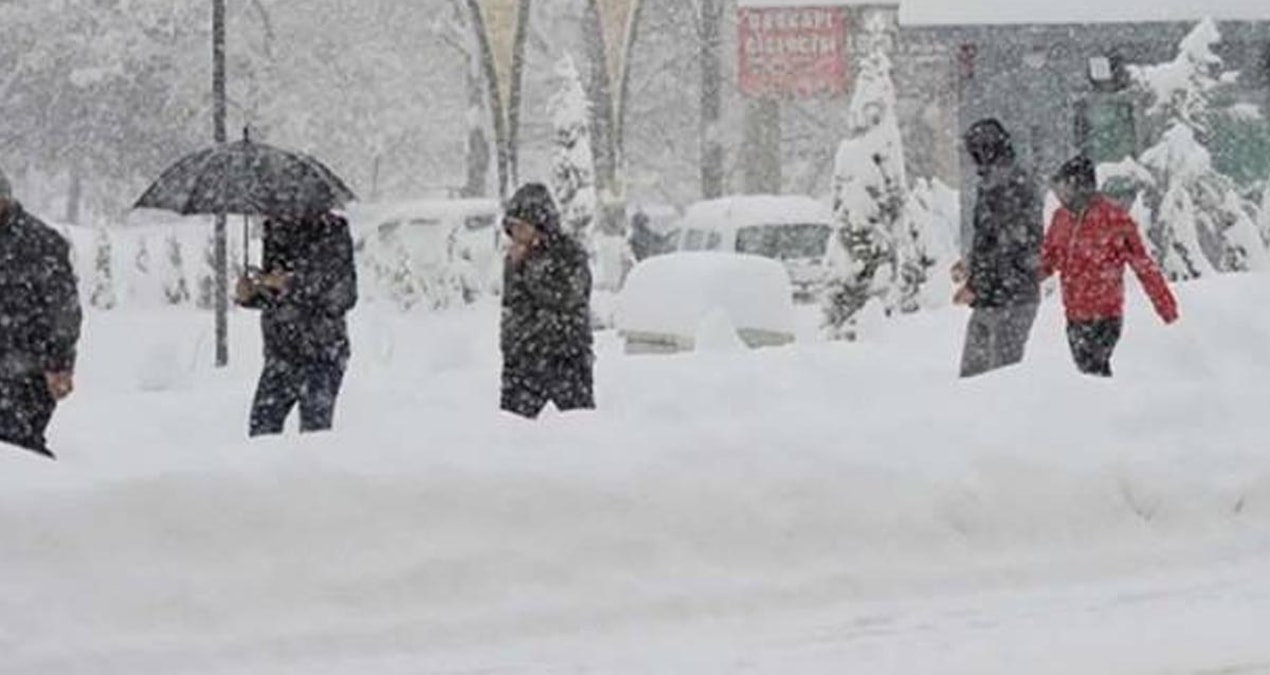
(1090, 255)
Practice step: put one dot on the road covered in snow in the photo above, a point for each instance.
(819, 508)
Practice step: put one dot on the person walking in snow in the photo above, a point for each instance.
(999, 277)
(307, 286)
(40, 321)
(546, 321)
(1089, 243)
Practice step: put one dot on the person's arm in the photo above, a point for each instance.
(1031, 231)
(59, 289)
(328, 285)
(1148, 273)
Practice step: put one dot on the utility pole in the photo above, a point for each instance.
(711, 98)
(219, 246)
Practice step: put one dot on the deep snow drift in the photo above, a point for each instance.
(820, 508)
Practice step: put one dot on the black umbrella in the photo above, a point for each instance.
(247, 178)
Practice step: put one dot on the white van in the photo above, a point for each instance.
(793, 229)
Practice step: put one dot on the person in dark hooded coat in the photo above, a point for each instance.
(546, 322)
(308, 285)
(999, 277)
(40, 321)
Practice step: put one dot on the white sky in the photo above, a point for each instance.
(1054, 11)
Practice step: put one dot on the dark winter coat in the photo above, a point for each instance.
(547, 302)
(306, 321)
(1008, 231)
(40, 316)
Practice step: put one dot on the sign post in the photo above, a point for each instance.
(792, 51)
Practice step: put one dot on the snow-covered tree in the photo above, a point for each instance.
(876, 248)
(935, 212)
(573, 174)
(102, 295)
(573, 166)
(1200, 223)
(176, 290)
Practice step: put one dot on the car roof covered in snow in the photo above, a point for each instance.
(672, 294)
(728, 213)
(370, 215)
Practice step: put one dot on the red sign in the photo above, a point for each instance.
(792, 51)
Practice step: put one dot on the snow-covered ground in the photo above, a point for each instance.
(821, 508)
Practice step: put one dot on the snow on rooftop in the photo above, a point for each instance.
(748, 210)
(919, 12)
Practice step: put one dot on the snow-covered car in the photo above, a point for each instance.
(793, 229)
(440, 241)
(677, 302)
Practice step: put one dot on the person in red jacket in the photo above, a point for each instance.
(1089, 243)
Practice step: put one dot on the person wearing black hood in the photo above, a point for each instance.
(999, 278)
(40, 321)
(546, 322)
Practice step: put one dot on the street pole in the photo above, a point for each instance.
(220, 253)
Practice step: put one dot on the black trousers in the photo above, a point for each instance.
(26, 408)
(314, 384)
(568, 383)
(1093, 343)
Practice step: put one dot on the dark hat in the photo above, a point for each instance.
(988, 142)
(1078, 171)
(533, 204)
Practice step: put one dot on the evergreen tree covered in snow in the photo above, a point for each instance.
(877, 250)
(573, 167)
(102, 295)
(176, 290)
(1200, 223)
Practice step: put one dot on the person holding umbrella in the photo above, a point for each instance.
(308, 281)
(307, 284)
(40, 320)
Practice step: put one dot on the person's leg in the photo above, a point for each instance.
(522, 393)
(572, 385)
(26, 408)
(1082, 337)
(976, 356)
(276, 394)
(1015, 329)
(1106, 335)
(321, 391)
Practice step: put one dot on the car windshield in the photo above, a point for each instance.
(784, 241)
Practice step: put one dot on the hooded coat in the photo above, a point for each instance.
(1008, 224)
(546, 312)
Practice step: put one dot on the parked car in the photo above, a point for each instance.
(670, 303)
(792, 229)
